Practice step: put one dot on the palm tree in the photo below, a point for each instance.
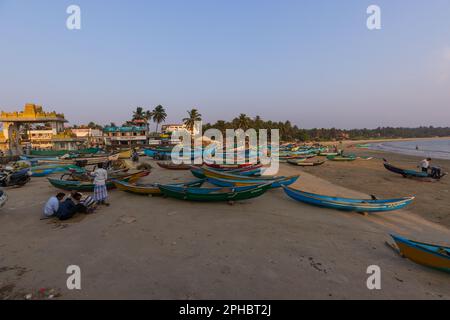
(159, 115)
(243, 122)
(193, 117)
(139, 114)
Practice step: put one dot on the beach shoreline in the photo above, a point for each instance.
(271, 247)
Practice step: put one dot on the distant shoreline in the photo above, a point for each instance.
(349, 143)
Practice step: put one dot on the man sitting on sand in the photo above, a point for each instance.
(52, 205)
(425, 164)
(74, 205)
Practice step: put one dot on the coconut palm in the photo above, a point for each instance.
(243, 122)
(193, 117)
(158, 115)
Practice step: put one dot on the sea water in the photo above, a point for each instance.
(439, 149)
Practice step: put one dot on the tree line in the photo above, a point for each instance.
(287, 130)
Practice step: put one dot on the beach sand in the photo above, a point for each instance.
(270, 247)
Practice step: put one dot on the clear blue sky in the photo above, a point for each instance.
(312, 62)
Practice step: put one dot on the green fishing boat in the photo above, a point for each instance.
(77, 185)
(342, 158)
(214, 194)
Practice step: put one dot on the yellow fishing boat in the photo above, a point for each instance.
(151, 188)
(430, 255)
(126, 154)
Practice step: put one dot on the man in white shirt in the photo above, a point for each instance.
(52, 205)
(100, 190)
(425, 164)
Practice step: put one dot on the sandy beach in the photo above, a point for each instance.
(270, 247)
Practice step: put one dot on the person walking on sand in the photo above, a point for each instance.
(100, 192)
(425, 164)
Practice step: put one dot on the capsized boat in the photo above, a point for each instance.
(347, 204)
(430, 255)
(276, 183)
(151, 188)
(214, 194)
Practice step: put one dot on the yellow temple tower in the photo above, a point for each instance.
(32, 114)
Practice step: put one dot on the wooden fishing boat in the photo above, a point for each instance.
(430, 255)
(214, 194)
(76, 185)
(59, 153)
(86, 160)
(248, 171)
(43, 171)
(277, 183)
(173, 166)
(89, 186)
(412, 173)
(126, 154)
(304, 163)
(327, 154)
(210, 173)
(151, 188)
(230, 166)
(342, 158)
(356, 205)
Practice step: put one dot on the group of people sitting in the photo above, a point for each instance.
(64, 208)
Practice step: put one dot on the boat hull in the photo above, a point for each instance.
(242, 183)
(150, 189)
(346, 204)
(424, 254)
(214, 194)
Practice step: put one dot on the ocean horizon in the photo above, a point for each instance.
(439, 149)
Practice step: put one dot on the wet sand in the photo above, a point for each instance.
(270, 247)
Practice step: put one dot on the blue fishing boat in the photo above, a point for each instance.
(412, 173)
(346, 204)
(430, 255)
(43, 171)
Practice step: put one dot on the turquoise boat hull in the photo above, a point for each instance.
(346, 204)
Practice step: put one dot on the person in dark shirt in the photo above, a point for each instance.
(70, 207)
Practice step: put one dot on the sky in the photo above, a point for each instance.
(314, 63)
